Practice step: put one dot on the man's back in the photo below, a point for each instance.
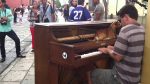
(129, 44)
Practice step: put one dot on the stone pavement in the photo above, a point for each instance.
(21, 71)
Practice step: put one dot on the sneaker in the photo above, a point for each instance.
(2, 60)
(20, 56)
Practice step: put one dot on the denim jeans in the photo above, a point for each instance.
(13, 36)
(104, 76)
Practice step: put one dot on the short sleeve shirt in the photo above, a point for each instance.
(130, 45)
(99, 9)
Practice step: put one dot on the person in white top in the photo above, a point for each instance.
(98, 11)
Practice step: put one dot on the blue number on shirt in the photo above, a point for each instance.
(78, 15)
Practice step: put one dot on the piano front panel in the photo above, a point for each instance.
(72, 51)
(78, 40)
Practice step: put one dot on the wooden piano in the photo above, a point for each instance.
(65, 52)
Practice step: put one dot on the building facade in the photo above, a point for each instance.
(17, 3)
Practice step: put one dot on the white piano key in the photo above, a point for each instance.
(91, 54)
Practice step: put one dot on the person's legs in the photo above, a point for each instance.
(15, 17)
(13, 36)
(103, 76)
(2, 46)
(32, 34)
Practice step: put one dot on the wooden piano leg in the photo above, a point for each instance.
(89, 77)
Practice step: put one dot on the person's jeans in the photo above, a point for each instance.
(13, 36)
(104, 76)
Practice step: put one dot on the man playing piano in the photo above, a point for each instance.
(127, 52)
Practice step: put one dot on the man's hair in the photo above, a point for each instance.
(129, 10)
(80, 2)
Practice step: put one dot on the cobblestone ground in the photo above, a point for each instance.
(21, 71)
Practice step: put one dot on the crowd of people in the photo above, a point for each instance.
(40, 12)
(44, 12)
(78, 10)
(127, 51)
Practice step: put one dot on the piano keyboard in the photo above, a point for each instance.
(90, 54)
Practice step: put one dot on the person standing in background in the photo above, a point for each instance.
(19, 15)
(46, 12)
(5, 5)
(6, 29)
(15, 15)
(98, 11)
(66, 12)
(73, 4)
(22, 9)
(33, 17)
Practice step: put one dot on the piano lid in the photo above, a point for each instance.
(75, 23)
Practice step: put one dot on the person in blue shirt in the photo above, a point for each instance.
(80, 13)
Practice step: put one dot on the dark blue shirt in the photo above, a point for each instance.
(80, 14)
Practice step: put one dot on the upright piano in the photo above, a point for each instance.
(65, 52)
